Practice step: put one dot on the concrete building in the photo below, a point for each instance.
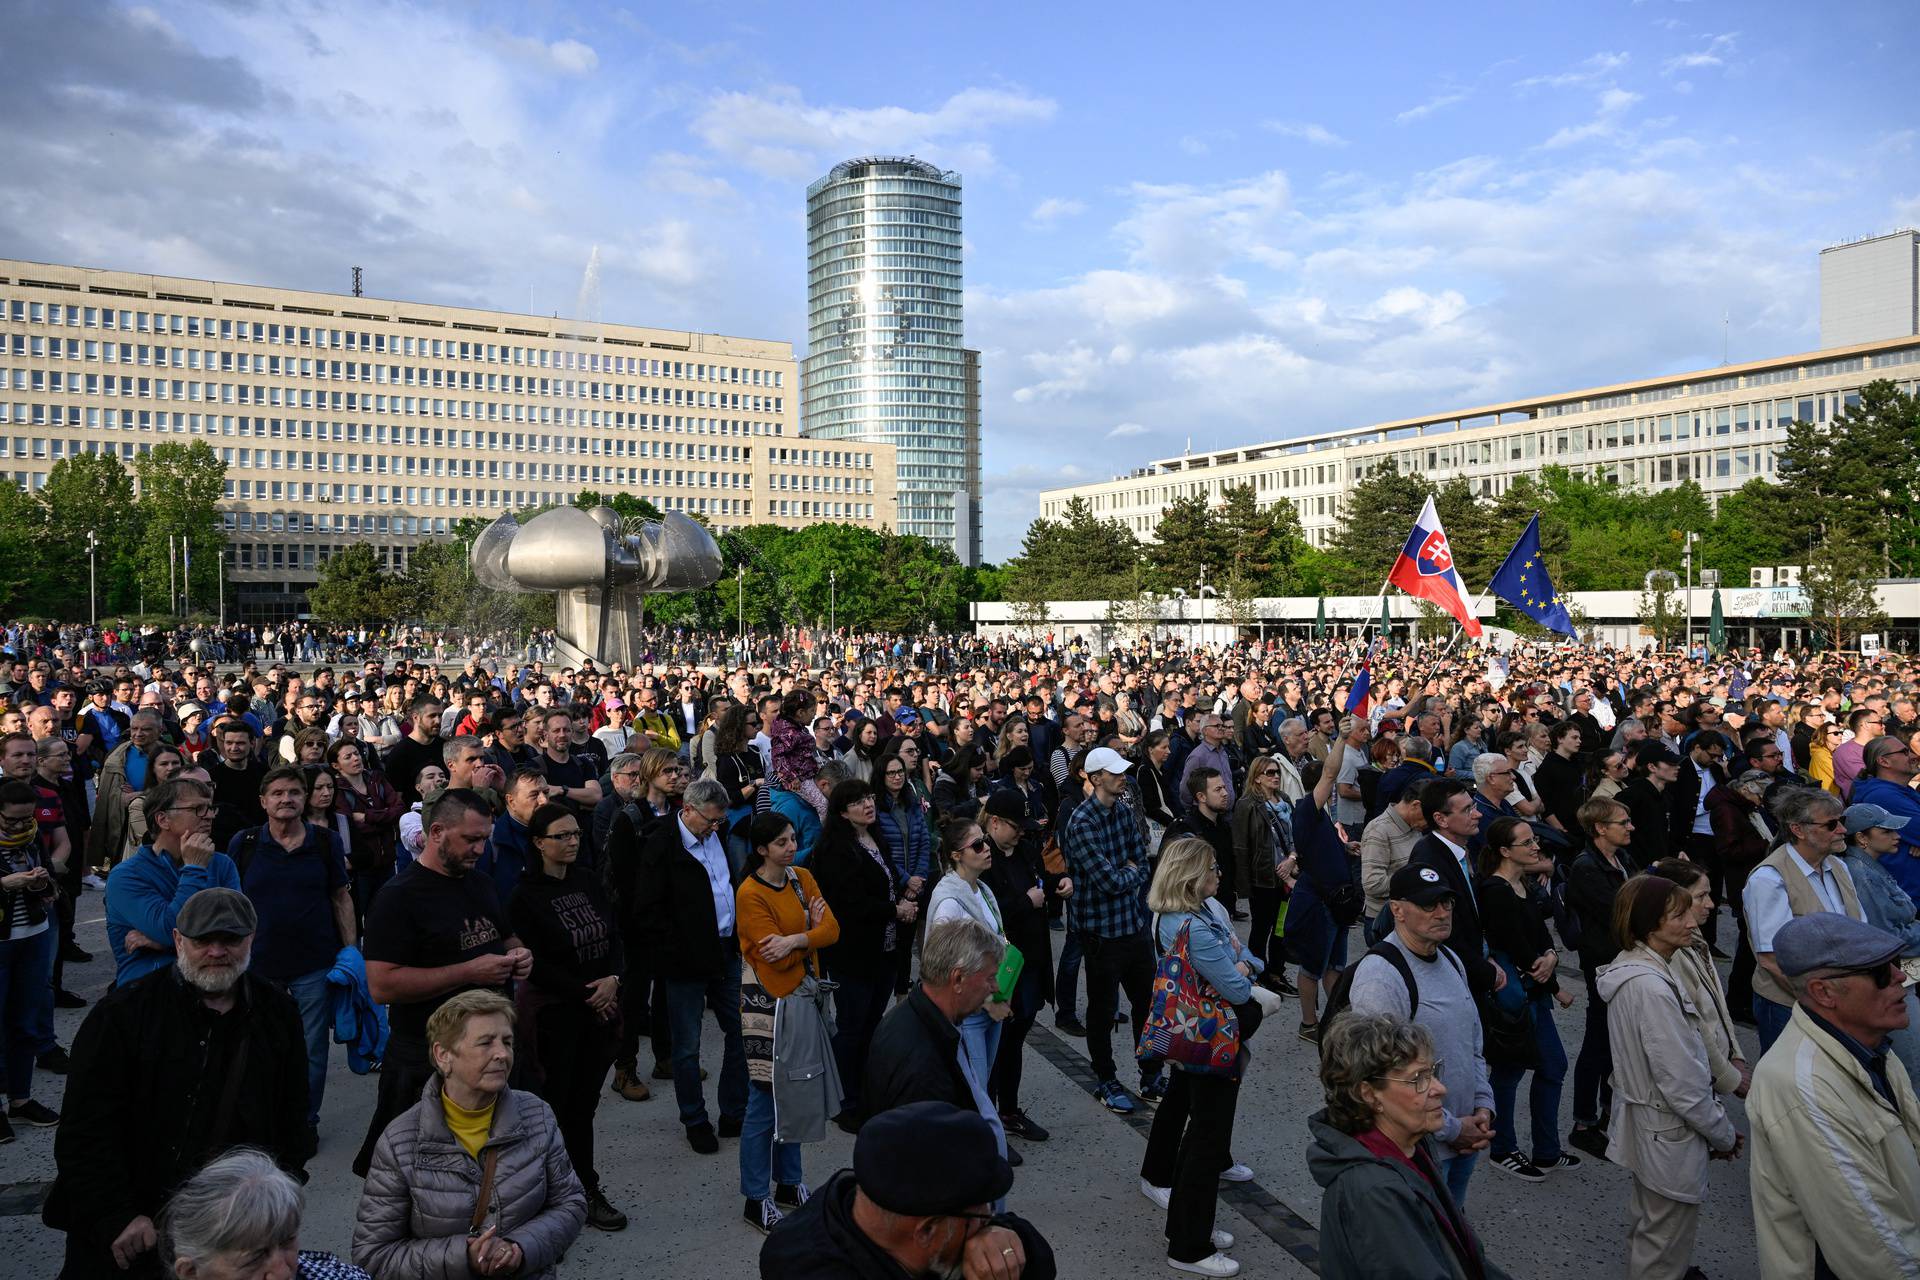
(349, 419)
(1719, 427)
(885, 358)
(1870, 289)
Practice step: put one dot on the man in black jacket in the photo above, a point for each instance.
(1691, 831)
(897, 1213)
(916, 1054)
(168, 1073)
(1021, 884)
(683, 913)
(1453, 822)
(1208, 816)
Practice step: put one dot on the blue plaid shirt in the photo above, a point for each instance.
(1108, 859)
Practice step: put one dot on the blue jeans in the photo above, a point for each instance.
(762, 1160)
(1770, 1019)
(315, 999)
(26, 1006)
(1458, 1171)
(980, 1041)
(1543, 1098)
(687, 999)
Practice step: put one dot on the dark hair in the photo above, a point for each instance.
(153, 773)
(767, 827)
(1438, 793)
(544, 817)
(14, 791)
(950, 843)
(730, 731)
(524, 772)
(284, 773)
(1499, 836)
(1643, 902)
(1508, 737)
(341, 745)
(1558, 733)
(1680, 871)
(1198, 781)
(454, 804)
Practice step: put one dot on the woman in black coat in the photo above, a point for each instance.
(850, 864)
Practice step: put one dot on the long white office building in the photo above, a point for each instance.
(1719, 427)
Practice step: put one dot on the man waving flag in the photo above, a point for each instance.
(1425, 569)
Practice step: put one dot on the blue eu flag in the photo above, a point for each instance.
(1522, 582)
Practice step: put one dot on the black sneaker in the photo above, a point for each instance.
(1020, 1125)
(1014, 1158)
(65, 999)
(602, 1216)
(762, 1215)
(6, 1131)
(72, 954)
(1591, 1140)
(791, 1194)
(1070, 1027)
(33, 1113)
(701, 1138)
(1565, 1160)
(1310, 1032)
(54, 1060)
(849, 1122)
(730, 1126)
(1154, 1087)
(1519, 1166)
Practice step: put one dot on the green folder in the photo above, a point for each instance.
(1010, 966)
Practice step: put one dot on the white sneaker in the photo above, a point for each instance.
(1159, 1195)
(94, 882)
(1237, 1172)
(1218, 1264)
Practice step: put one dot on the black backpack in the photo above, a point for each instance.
(1341, 997)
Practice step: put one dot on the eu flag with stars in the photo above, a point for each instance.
(1522, 582)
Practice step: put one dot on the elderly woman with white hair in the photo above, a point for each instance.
(239, 1219)
(474, 1178)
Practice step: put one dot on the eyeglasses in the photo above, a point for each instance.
(980, 846)
(1421, 1082)
(197, 810)
(1831, 824)
(1883, 974)
(562, 835)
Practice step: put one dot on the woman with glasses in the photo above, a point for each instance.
(570, 1004)
(167, 762)
(1593, 882)
(962, 894)
(1263, 852)
(1820, 748)
(903, 819)
(1190, 1146)
(1667, 1123)
(1609, 775)
(1512, 863)
(1376, 1159)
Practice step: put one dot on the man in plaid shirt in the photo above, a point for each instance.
(1108, 859)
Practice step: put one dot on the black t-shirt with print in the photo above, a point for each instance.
(425, 920)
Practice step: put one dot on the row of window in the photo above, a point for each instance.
(29, 311)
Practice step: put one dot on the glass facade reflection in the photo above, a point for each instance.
(885, 360)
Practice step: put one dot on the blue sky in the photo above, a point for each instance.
(1229, 224)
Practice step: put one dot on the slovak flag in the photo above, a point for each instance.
(1360, 697)
(1425, 569)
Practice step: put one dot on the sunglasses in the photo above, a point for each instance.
(1884, 974)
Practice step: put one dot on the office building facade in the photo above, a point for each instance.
(1870, 289)
(885, 359)
(347, 419)
(1718, 427)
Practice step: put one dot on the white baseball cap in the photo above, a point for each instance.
(1106, 760)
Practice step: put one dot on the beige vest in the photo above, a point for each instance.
(1802, 901)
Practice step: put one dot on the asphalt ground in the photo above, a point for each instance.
(1081, 1187)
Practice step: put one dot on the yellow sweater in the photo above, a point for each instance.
(469, 1128)
(764, 913)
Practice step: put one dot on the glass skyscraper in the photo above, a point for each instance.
(885, 358)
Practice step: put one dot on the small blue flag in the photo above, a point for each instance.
(1522, 582)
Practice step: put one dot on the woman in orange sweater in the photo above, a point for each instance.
(781, 920)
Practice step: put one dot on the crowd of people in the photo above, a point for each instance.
(877, 871)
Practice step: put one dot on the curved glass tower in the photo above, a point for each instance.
(885, 359)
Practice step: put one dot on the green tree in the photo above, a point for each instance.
(1839, 582)
(1661, 611)
(1078, 557)
(1375, 517)
(1748, 531)
(180, 485)
(1188, 542)
(353, 591)
(1263, 545)
(89, 493)
(1858, 478)
(21, 521)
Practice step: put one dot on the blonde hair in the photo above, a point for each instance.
(1177, 879)
(447, 1025)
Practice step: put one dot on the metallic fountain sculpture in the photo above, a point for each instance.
(599, 571)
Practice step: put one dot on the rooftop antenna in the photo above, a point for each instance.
(356, 282)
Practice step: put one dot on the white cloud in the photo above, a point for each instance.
(573, 57)
(1126, 431)
(1613, 106)
(1053, 209)
(1316, 134)
(1715, 54)
(1593, 70)
(1194, 229)
(1194, 145)
(778, 133)
(1438, 102)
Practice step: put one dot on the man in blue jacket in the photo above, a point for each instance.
(1886, 769)
(145, 892)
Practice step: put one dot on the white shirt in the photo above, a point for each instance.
(1766, 896)
(713, 859)
(1702, 820)
(1466, 867)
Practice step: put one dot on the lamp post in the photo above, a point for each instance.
(740, 607)
(1691, 540)
(93, 599)
(833, 602)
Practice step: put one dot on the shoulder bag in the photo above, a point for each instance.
(1188, 1023)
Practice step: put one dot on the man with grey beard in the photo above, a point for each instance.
(168, 1073)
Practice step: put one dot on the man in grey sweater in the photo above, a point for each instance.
(1422, 907)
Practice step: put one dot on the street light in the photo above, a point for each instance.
(1691, 540)
(93, 600)
(833, 602)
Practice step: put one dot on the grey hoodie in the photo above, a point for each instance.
(1379, 1220)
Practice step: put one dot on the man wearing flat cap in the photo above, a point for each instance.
(897, 1213)
(169, 1072)
(1836, 1126)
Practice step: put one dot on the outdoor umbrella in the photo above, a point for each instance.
(1717, 627)
(1320, 620)
(1386, 623)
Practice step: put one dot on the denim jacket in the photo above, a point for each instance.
(1212, 949)
(1882, 900)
